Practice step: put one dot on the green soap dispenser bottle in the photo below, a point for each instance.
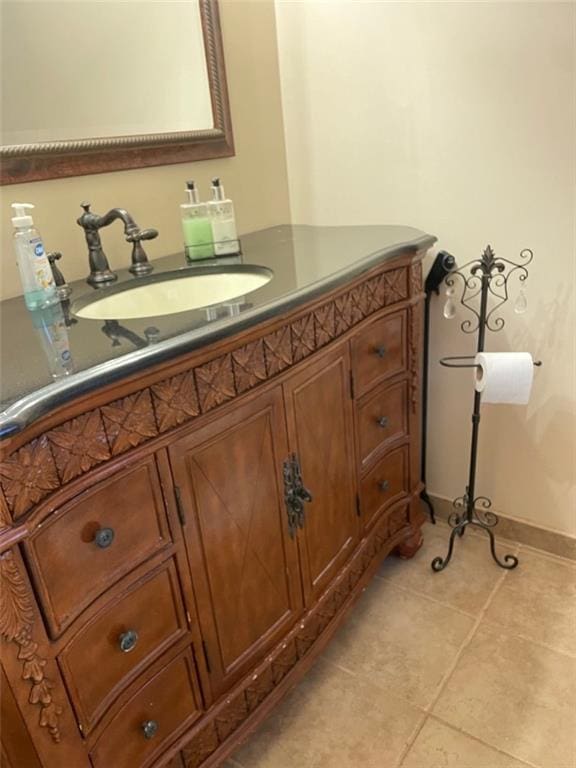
(196, 226)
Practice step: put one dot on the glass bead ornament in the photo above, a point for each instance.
(449, 307)
(521, 303)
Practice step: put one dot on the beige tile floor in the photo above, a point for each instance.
(474, 667)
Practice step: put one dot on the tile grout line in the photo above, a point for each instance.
(416, 593)
(484, 743)
(508, 630)
(517, 636)
(449, 672)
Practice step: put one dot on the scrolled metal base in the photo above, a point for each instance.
(483, 519)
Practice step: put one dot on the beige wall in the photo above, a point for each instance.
(458, 118)
(255, 178)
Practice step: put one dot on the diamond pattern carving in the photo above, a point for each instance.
(325, 324)
(284, 661)
(215, 382)
(28, 476)
(259, 687)
(343, 313)
(375, 294)
(175, 400)
(395, 288)
(129, 422)
(229, 718)
(249, 366)
(278, 350)
(78, 445)
(201, 746)
(303, 339)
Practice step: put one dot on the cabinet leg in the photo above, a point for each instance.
(410, 545)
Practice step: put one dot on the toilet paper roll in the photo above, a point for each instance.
(504, 377)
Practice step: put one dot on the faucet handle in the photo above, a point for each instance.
(86, 206)
(140, 263)
(62, 288)
(141, 234)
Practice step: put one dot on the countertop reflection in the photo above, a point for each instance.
(305, 261)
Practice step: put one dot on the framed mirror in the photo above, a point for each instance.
(96, 86)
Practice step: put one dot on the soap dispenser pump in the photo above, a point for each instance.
(223, 221)
(196, 226)
(35, 271)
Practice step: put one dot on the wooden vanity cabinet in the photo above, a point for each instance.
(251, 488)
(228, 481)
(320, 426)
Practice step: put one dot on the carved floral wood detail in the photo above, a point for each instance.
(395, 287)
(16, 620)
(249, 366)
(234, 711)
(28, 475)
(70, 450)
(215, 382)
(78, 445)
(129, 422)
(175, 400)
(303, 338)
(278, 350)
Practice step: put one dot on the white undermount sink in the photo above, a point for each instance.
(172, 292)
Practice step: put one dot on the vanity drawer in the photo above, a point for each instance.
(96, 539)
(379, 351)
(121, 640)
(382, 418)
(141, 729)
(384, 485)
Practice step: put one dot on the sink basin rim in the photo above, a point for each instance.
(126, 286)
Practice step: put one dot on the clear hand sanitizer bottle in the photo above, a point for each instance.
(223, 221)
(50, 325)
(35, 271)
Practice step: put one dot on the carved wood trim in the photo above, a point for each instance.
(416, 278)
(414, 353)
(71, 449)
(227, 717)
(16, 620)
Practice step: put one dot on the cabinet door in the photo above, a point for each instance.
(319, 408)
(244, 563)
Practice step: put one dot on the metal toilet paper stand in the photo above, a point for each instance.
(488, 276)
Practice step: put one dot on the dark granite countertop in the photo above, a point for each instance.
(305, 260)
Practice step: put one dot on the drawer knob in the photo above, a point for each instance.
(380, 351)
(104, 537)
(127, 641)
(384, 485)
(383, 421)
(149, 729)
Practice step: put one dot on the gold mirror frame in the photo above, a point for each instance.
(57, 159)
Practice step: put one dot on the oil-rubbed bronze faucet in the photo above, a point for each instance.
(100, 272)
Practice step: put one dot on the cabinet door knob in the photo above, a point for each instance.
(384, 485)
(382, 421)
(380, 351)
(127, 641)
(149, 729)
(104, 537)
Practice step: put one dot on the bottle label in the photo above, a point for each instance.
(42, 270)
(38, 246)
